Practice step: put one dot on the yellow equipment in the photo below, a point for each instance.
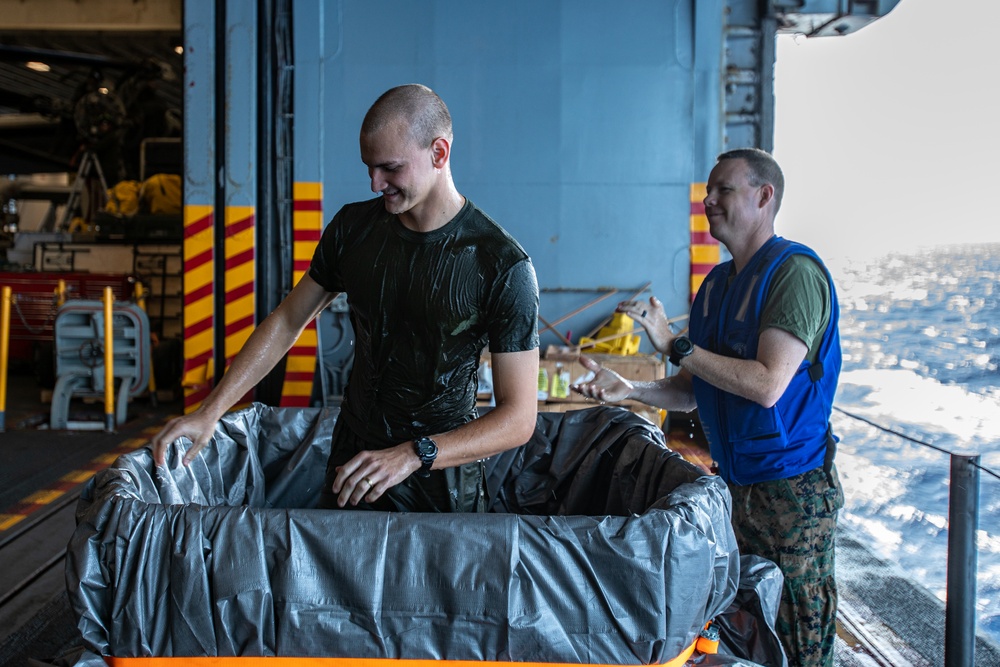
(615, 338)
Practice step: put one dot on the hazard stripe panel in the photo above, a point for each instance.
(705, 252)
(307, 228)
(238, 317)
(199, 319)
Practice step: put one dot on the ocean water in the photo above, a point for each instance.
(921, 340)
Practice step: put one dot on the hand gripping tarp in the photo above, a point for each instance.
(603, 547)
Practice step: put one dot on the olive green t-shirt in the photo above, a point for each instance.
(799, 302)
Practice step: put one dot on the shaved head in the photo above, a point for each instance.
(418, 107)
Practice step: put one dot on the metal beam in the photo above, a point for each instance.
(200, 256)
(828, 18)
(748, 76)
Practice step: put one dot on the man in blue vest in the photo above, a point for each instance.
(760, 364)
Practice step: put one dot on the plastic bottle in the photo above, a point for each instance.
(560, 382)
(543, 383)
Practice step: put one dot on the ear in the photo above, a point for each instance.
(440, 152)
(766, 194)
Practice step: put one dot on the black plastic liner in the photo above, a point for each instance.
(746, 628)
(602, 547)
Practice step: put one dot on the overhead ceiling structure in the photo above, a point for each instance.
(85, 75)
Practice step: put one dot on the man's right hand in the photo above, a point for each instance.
(198, 426)
(606, 386)
(266, 346)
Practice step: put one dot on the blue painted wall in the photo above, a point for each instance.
(579, 125)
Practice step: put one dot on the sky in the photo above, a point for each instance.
(890, 137)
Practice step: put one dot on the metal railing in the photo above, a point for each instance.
(5, 299)
(963, 553)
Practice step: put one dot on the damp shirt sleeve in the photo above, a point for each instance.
(513, 310)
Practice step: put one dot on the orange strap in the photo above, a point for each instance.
(344, 662)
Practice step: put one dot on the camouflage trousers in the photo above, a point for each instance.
(792, 522)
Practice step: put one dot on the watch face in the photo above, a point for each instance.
(426, 447)
(683, 345)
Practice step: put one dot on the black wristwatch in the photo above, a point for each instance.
(680, 348)
(427, 451)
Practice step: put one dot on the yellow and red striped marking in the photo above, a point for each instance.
(307, 227)
(704, 249)
(199, 291)
(240, 287)
(44, 497)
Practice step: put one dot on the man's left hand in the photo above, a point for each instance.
(653, 319)
(367, 476)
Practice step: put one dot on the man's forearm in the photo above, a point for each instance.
(743, 377)
(502, 428)
(672, 393)
(510, 424)
(267, 344)
(762, 380)
(255, 360)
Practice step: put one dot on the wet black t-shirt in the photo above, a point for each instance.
(423, 306)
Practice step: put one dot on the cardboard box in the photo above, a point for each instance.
(639, 367)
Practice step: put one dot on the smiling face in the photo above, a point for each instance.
(733, 206)
(399, 168)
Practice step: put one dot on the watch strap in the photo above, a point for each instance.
(426, 450)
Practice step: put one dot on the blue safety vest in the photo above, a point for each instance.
(751, 443)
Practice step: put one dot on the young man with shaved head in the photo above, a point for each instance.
(430, 281)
